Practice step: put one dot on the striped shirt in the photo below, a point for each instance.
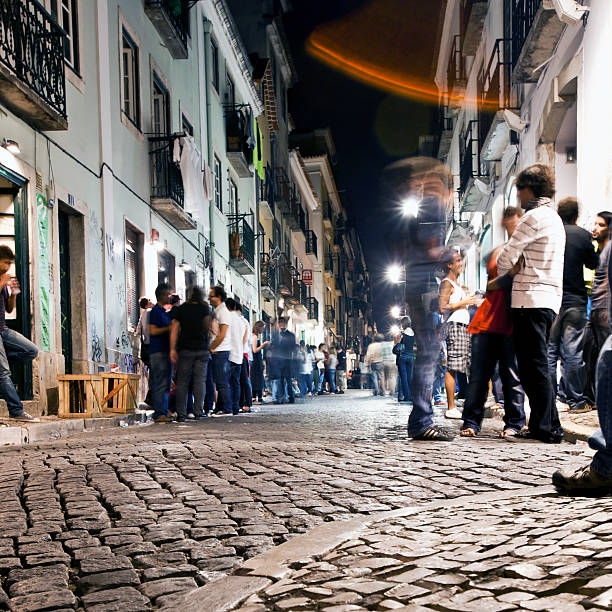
(540, 238)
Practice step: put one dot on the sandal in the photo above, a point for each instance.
(508, 433)
(468, 432)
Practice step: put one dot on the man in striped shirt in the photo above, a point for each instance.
(537, 250)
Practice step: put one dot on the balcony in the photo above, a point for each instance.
(313, 309)
(299, 298)
(328, 263)
(471, 169)
(241, 245)
(444, 128)
(282, 190)
(330, 316)
(171, 20)
(286, 279)
(292, 217)
(237, 134)
(495, 94)
(32, 77)
(328, 214)
(455, 74)
(473, 14)
(311, 244)
(167, 194)
(267, 274)
(266, 195)
(535, 33)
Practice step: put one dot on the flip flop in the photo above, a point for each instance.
(468, 432)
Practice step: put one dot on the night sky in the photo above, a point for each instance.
(371, 127)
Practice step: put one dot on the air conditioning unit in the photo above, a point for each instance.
(569, 11)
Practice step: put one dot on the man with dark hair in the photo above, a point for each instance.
(598, 326)
(160, 373)
(13, 346)
(537, 246)
(220, 348)
(567, 333)
(237, 334)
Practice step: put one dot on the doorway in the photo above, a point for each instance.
(65, 303)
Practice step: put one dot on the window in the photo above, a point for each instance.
(233, 198)
(130, 77)
(165, 269)
(186, 126)
(214, 56)
(218, 198)
(230, 90)
(161, 108)
(133, 257)
(65, 13)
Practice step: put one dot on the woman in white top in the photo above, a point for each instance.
(454, 306)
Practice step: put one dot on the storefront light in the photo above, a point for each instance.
(185, 266)
(12, 146)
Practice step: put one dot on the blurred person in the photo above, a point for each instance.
(331, 363)
(305, 361)
(220, 347)
(237, 335)
(144, 340)
(537, 246)
(319, 357)
(389, 366)
(173, 304)
(597, 328)
(426, 187)
(341, 370)
(189, 340)
(257, 367)
(374, 362)
(404, 351)
(493, 350)
(283, 347)
(246, 390)
(160, 373)
(454, 303)
(440, 363)
(567, 333)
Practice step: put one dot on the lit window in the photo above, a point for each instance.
(218, 198)
(65, 13)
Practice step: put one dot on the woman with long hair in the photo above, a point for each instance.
(257, 368)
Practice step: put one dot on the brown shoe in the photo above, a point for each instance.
(584, 481)
(163, 419)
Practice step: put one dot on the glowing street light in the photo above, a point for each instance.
(410, 207)
(394, 329)
(396, 312)
(395, 273)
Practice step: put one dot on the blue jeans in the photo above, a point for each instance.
(321, 381)
(421, 309)
(210, 388)
(17, 348)
(440, 373)
(160, 376)
(330, 375)
(246, 390)
(567, 344)
(404, 369)
(378, 378)
(305, 383)
(282, 386)
(191, 368)
(601, 440)
(220, 365)
(234, 382)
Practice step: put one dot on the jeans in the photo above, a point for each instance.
(160, 377)
(487, 351)
(234, 383)
(531, 335)
(282, 386)
(210, 388)
(421, 309)
(305, 384)
(596, 332)
(567, 343)
(378, 378)
(330, 375)
(17, 348)
(220, 366)
(192, 368)
(390, 372)
(404, 370)
(440, 374)
(497, 386)
(341, 380)
(601, 440)
(246, 390)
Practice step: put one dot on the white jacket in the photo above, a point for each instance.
(540, 238)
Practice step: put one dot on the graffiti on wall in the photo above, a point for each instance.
(44, 272)
(95, 299)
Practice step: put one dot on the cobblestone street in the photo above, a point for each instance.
(133, 518)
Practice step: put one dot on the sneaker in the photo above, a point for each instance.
(191, 416)
(163, 419)
(144, 406)
(455, 413)
(580, 408)
(584, 481)
(180, 419)
(26, 416)
(435, 434)
(439, 403)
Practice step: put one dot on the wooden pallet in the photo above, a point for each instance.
(79, 396)
(119, 392)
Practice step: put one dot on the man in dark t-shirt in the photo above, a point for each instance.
(189, 351)
(567, 333)
(160, 372)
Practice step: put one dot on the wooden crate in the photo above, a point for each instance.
(79, 396)
(119, 392)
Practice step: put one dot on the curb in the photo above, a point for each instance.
(575, 432)
(30, 433)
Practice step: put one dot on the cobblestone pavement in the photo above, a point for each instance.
(125, 519)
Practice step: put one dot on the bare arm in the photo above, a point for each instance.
(158, 331)
(220, 337)
(10, 303)
(446, 290)
(174, 332)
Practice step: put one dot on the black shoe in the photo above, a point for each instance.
(548, 438)
(584, 481)
(580, 408)
(435, 434)
(180, 419)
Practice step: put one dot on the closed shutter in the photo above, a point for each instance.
(131, 278)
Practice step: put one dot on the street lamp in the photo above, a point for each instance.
(395, 330)
(410, 206)
(396, 312)
(394, 273)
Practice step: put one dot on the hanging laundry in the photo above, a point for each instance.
(193, 186)
(207, 179)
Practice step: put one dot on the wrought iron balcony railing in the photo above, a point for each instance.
(328, 262)
(266, 189)
(282, 189)
(267, 274)
(330, 315)
(171, 20)
(311, 243)
(470, 165)
(455, 73)
(237, 135)
(242, 244)
(523, 16)
(313, 308)
(32, 71)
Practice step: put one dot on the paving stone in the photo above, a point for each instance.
(60, 598)
(37, 584)
(105, 580)
(526, 570)
(122, 594)
(155, 573)
(568, 602)
(165, 586)
(104, 564)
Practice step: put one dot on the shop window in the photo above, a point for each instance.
(165, 269)
(133, 263)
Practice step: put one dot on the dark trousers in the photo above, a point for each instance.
(220, 367)
(191, 373)
(567, 344)
(210, 388)
(234, 381)
(487, 351)
(596, 333)
(531, 335)
(246, 391)
(404, 370)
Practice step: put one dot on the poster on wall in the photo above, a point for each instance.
(307, 277)
(44, 271)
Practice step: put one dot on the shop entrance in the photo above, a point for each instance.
(14, 234)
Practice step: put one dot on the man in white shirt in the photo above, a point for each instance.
(220, 347)
(246, 389)
(536, 252)
(236, 337)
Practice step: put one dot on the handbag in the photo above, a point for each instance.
(399, 348)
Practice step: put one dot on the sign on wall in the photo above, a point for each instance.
(307, 277)
(43, 271)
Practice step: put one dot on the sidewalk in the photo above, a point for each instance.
(578, 427)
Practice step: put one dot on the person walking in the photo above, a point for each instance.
(493, 350)
(246, 390)
(454, 304)
(284, 348)
(404, 351)
(567, 333)
(189, 340)
(538, 247)
(257, 367)
(374, 361)
(160, 374)
(305, 362)
(319, 357)
(331, 364)
(220, 347)
(598, 326)
(237, 336)
(389, 367)
(341, 371)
